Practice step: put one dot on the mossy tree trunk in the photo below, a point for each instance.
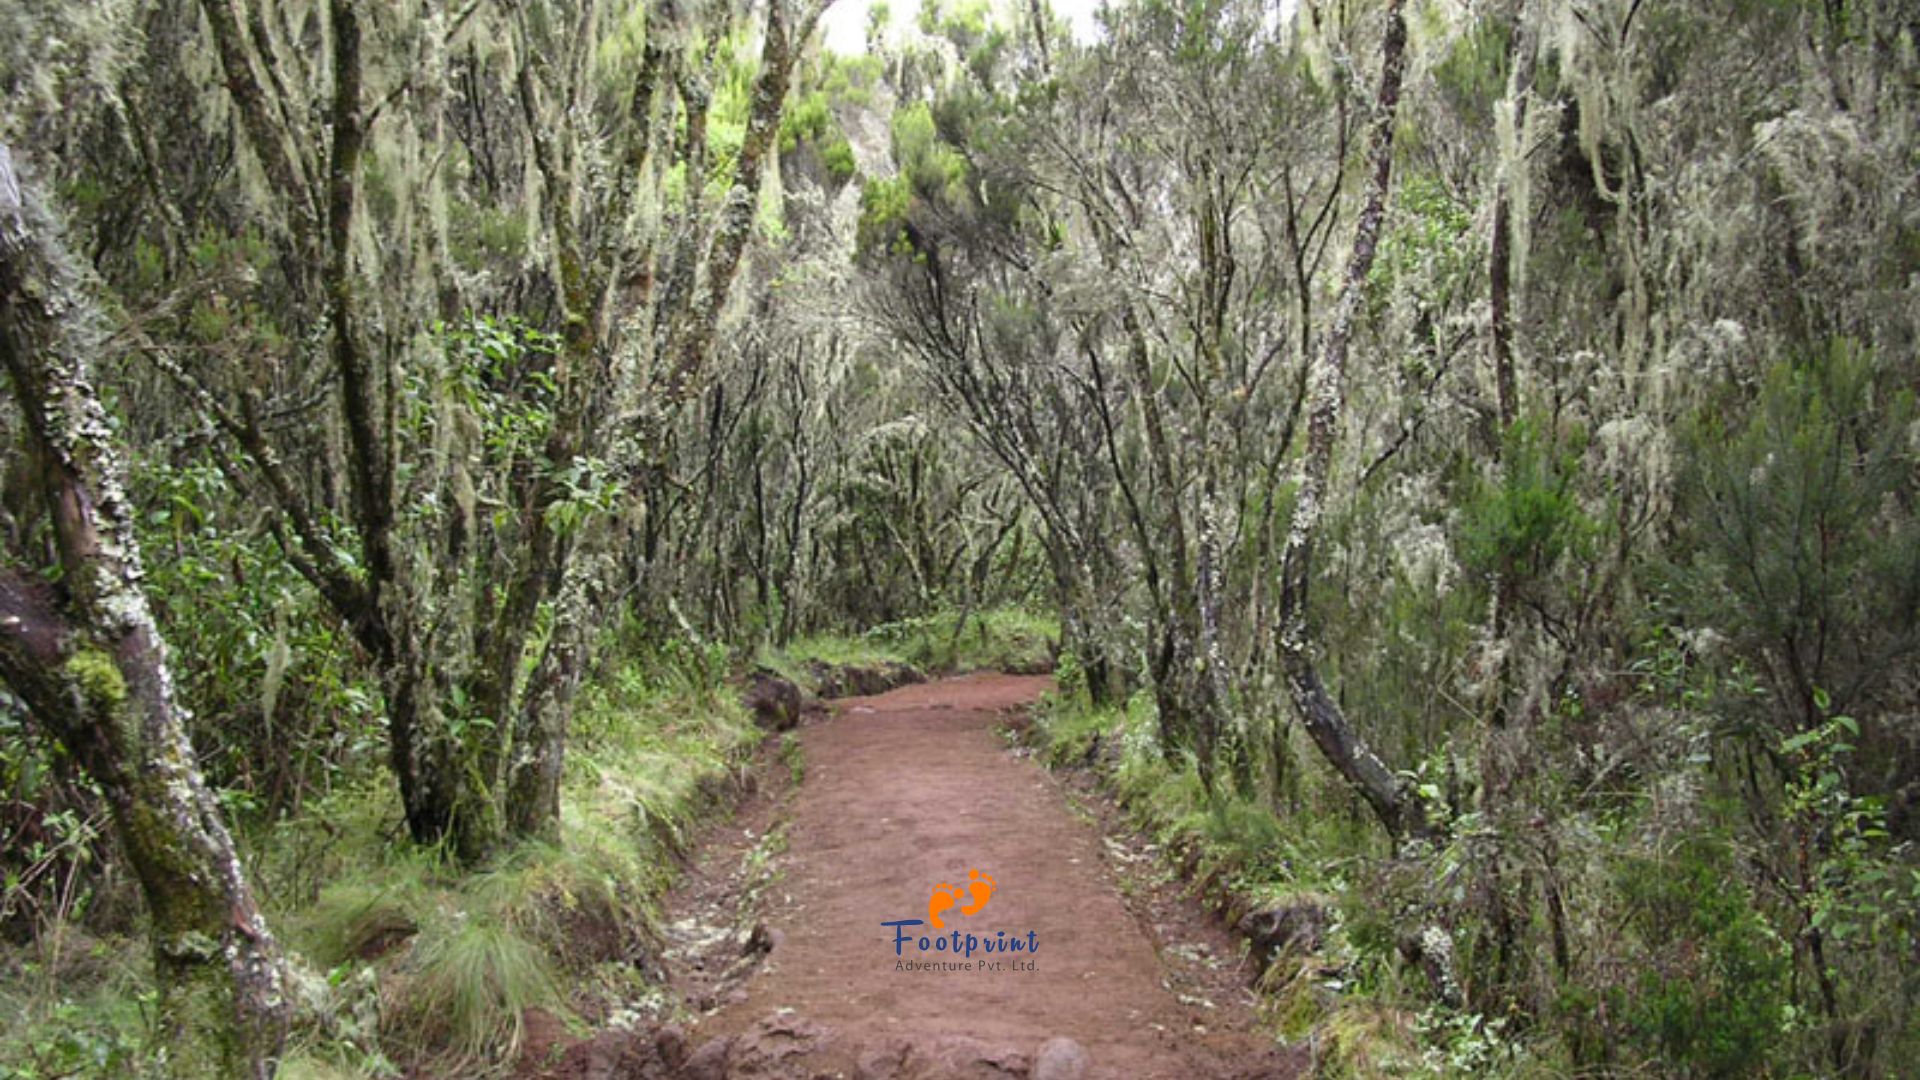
(89, 662)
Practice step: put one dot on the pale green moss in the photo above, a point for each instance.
(98, 679)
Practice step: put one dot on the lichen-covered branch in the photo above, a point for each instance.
(690, 332)
(1322, 716)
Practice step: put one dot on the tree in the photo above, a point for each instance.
(1321, 714)
(89, 662)
(448, 602)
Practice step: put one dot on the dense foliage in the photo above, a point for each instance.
(1469, 450)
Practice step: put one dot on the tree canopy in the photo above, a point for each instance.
(1475, 444)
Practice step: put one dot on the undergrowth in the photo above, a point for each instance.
(409, 963)
(1344, 995)
(1689, 976)
(999, 639)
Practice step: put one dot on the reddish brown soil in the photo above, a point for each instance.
(910, 789)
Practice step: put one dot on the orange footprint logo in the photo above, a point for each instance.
(979, 889)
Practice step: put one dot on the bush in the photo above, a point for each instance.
(1710, 993)
(1814, 487)
(1003, 639)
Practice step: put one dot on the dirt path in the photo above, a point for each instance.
(915, 788)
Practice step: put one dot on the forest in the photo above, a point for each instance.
(1458, 459)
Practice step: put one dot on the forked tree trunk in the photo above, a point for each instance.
(1322, 716)
(90, 665)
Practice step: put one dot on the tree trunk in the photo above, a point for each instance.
(546, 710)
(1187, 720)
(1343, 747)
(91, 667)
(416, 752)
(1500, 326)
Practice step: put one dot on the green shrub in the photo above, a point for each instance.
(1710, 993)
(1812, 487)
(1522, 524)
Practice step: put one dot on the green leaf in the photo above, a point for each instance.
(1799, 742)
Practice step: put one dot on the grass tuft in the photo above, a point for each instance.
(472, 983)
(457, 957)
(363, 918)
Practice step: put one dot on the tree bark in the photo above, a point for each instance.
(91, 666)
(1322, 716)
(532, 786)
(1500, 327)
(360, 384)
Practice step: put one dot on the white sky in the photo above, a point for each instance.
(845, 23)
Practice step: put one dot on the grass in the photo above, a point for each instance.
(1244, 855)
(358, 916)
(459, 958)
(998, 639)
(1261, 853)
(474, 980)
(837, 650)
(410, 962)
(303, 1065)
(86, 1014)
(794, 756)
(433, 967)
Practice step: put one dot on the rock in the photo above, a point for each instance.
(762, 940)
(755, 946)
(775, 702)
(1295, 925)
(958, 1057)
(710, 1061)
(903, 675)
(670, 1043)
(887, 1062)
(866, 682)
(768, 1049)
(1060, 1058)
(862, 680)
(624, 1054)
(1032, 665)
(826, 678)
